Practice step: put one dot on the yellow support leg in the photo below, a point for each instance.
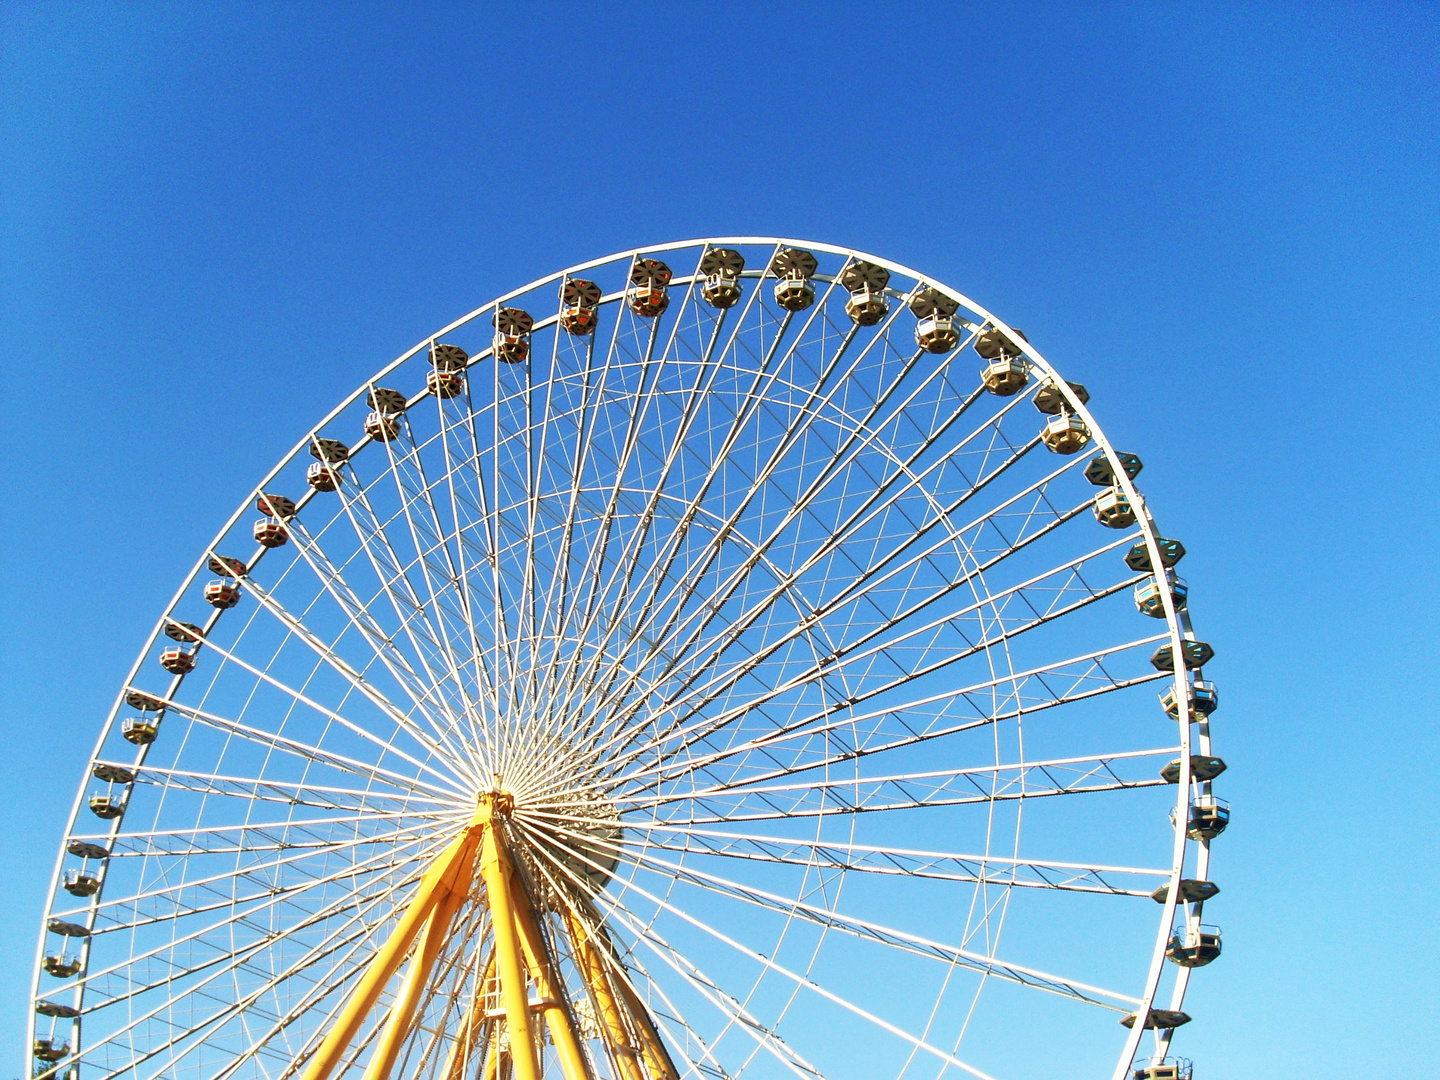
(492, 1062)
(513, 987)
(383, 965)
(592, 968)
(657, 1059)
(402, 1014)
(562, 1033)
(464, 1045)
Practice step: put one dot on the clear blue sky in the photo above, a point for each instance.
(1223, 218)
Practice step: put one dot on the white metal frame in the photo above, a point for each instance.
(442, 723)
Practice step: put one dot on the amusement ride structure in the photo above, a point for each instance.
(733, 657)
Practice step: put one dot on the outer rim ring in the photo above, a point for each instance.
(1177, 621)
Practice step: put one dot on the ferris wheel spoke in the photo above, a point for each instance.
(735, 1013)
(615, 593)
(894, 726)
(318, 953)
(805, 982)
(764, 376)
(588, 601)
(221, 962)
(380, 645)
(286, 856)
(985, 869)
(352, 935)
(561, 600)
(758, 486)
(424, 697)
(882, 573)
(878, 501)
(709, 366)
(463, 452)
(414, 620)
(247, 833)
(535, 443)
(226, 951)
(870, 645)
(569, 467)
(883, 495)
(855, 664)
(695, 699)
(706, 728)
(625, 970)
(445, 985)
(218, 1017)
(948, 787)
(330, 714)
(266, 897)
(879, 934)
(814, 393)
(308, 752)
(669, 1018)
(427, 535)
(261, 789)
(307, 1001)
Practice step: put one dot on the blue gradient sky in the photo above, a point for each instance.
(219, 218)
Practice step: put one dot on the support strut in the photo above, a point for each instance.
(402, 1013)
(557, 1017)
(472, 1027)
(457, 861)
(514, 989)
(519, 954)
(598, 980)
(617, 1001)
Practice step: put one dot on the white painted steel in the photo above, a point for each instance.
(798, 600)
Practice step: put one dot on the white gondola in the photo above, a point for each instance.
(721, 268)
(1194, 945)
(865, 282)
(511, 343)
(1208, 817)
(648, 295)
(1065, 433)
(794, 268)
(1112, 509)
(579, 306)
(935, 329)
(1150, 596)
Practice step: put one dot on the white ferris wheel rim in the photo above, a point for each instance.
(1176, 620)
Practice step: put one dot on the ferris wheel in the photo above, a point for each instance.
(740, 657)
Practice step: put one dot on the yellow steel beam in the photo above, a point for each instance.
(463, 1048)
(494, 866)
(557, 1018)
(658, 1064)
(434, 885)
(592, 968)
(657, 1058)
(402, 1013)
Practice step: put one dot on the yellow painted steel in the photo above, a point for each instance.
(402, 1013)
(562, 1032)
(514, 990)
(592, 968)
(657, 1059)
(433, 886)
(463, 1048)
(518, 953)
